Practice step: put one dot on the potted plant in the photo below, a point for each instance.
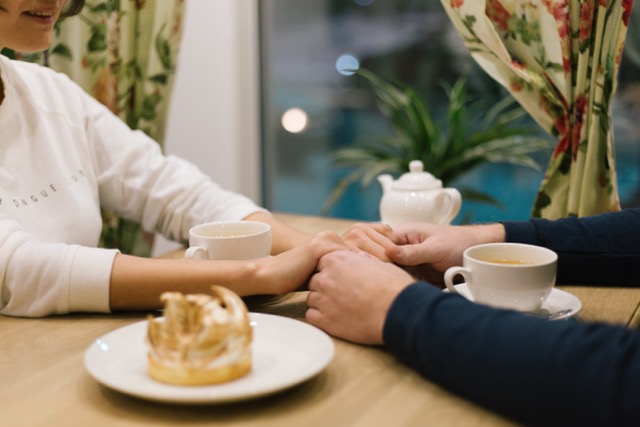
(467, 137)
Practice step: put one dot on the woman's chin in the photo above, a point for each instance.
(31, 46)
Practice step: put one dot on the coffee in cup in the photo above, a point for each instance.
(225, 240)
(507, 275)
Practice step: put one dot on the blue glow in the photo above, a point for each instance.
(347, 64)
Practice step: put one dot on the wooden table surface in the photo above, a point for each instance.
(43, 381)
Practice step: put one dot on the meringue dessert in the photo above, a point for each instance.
(202, 339)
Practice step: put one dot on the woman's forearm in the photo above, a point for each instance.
(137, 283)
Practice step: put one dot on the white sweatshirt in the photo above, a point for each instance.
(62, 156)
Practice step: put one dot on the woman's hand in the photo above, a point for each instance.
(373, 238)
(290, 270)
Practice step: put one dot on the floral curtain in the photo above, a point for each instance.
(123, 52)
(560, 60)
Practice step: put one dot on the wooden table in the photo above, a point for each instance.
(43, 381)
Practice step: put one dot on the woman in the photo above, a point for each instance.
(63, 156)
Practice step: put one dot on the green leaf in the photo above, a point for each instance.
(62, 50)
(149, 104)
(159, 78)
(469, 136)
(163, 49)
(98, 40)
(472, 195)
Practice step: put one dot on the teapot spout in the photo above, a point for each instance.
(385, 181)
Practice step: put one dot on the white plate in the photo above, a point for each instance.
(559, 304)
(286, 352)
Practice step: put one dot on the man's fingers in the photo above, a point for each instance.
(313, 316)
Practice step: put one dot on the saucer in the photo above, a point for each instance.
(559, 305)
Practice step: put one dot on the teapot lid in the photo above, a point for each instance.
(417, 179)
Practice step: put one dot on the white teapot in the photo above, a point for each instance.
(417, 196)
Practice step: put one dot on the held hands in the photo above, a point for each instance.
(351, 293)
(425, 250)
(291, 269)
(373, 238)
(288, 271)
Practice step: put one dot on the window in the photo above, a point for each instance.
(309, 109)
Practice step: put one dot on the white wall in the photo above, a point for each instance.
(214, 115)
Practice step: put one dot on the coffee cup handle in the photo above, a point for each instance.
(196, 252)
(451, 273)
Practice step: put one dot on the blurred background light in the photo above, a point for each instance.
(295, 120)
(346, 64)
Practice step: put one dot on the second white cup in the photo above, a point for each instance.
(226, 240)
(507, 275)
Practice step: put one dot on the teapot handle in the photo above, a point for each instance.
(455, 202)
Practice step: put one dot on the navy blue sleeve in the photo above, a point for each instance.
(534, 371)
(601, 249)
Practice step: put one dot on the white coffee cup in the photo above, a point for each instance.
(507, 275)
(229, 240)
